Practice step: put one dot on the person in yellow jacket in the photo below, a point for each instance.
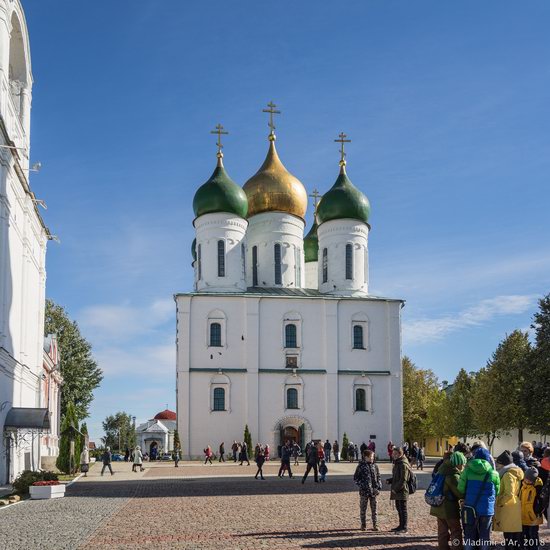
(531, 512)
(508, 505)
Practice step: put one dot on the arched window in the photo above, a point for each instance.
(291, 339)
(199, 260)
(292, 398)
(216, 335)
(254, 266)
(325, 265)
(358, 337)
(360, 399)
(349, 261)
(221, 258)
(278, 273)
(219, 399)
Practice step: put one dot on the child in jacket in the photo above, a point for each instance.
(531, 516)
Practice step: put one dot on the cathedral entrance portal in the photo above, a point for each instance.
(291, 434)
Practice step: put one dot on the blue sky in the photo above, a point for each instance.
(447, 107)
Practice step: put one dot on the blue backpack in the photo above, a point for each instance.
(434, 493)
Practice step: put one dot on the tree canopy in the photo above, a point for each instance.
(119, 431)
(81, 374)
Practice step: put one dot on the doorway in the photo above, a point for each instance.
(290, 434)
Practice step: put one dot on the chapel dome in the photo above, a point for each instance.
(343, 200)
(274, 189)
(311, 244)
(166, 415)
(220, 194)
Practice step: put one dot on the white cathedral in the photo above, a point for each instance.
(280, 332)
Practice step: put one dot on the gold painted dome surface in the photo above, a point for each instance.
(274, 189)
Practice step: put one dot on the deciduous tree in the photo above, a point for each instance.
(81, 375)
(119, 431)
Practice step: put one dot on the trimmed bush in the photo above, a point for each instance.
(27, 478)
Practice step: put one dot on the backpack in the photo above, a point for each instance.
(542, 501)
(435, 492)
(412, 482)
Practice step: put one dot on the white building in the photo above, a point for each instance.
(281, 333)
(156, 436)
(23, 238)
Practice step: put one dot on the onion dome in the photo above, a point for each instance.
(194, 249)
(311, 244)
(343, 200)
(165, 415)
(220, 194)
(274, 189)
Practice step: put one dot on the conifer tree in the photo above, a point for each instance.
(345, 445)
(177, 442)
(247, 439)
(69, 427)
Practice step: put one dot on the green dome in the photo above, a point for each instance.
(343, 200)
(220, 194)
(194, 249)
(311, 244)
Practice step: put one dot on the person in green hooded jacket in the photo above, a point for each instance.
(448, 513)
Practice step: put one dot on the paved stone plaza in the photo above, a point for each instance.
(207, 507)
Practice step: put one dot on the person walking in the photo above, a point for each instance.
(448, 513)
(351, 452)
(234, 449)
(367, 478)
(296, 453)
(327, 449)
(286, 452)
(106, 458)
(390, 451)
(312, 461)
(508, 504)
(336, 451)
(356, 452)
(208, 455)
(85, 461)
(176, 458)
(479, 483)
(138, 459)
(260, 459)
(531, 508)
(420, 458)
(244, 454)
(222, 452)
(414, 454)
(399, 492)
(267, 453)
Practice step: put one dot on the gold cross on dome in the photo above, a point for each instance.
(272, 111)
(315, 196)
(342, 140)
(220, 131)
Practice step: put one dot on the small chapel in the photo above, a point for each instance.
(280, 332)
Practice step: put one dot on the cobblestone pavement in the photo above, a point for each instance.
(162, 509)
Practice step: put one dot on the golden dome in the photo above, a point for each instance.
(274, 189)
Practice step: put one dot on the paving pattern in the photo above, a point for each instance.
(166, 508)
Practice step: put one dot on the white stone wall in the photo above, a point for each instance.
(210, 229)
(23, 241)
(312, 275)
(264, 231)
(334, 235)
(251, 367)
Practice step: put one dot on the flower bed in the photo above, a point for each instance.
(44, 483)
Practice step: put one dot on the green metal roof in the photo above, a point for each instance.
(343, 200)
(311, 244)
(220, 194)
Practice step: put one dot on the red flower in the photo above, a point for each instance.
(45, 483)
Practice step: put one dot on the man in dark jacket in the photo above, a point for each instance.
(401, 472)
(367, 477)
(448, 513)
(327, 448)
(312, 460)
(106, 459)
(336, 451)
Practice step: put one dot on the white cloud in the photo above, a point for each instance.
(418, 331)
(108, 323)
